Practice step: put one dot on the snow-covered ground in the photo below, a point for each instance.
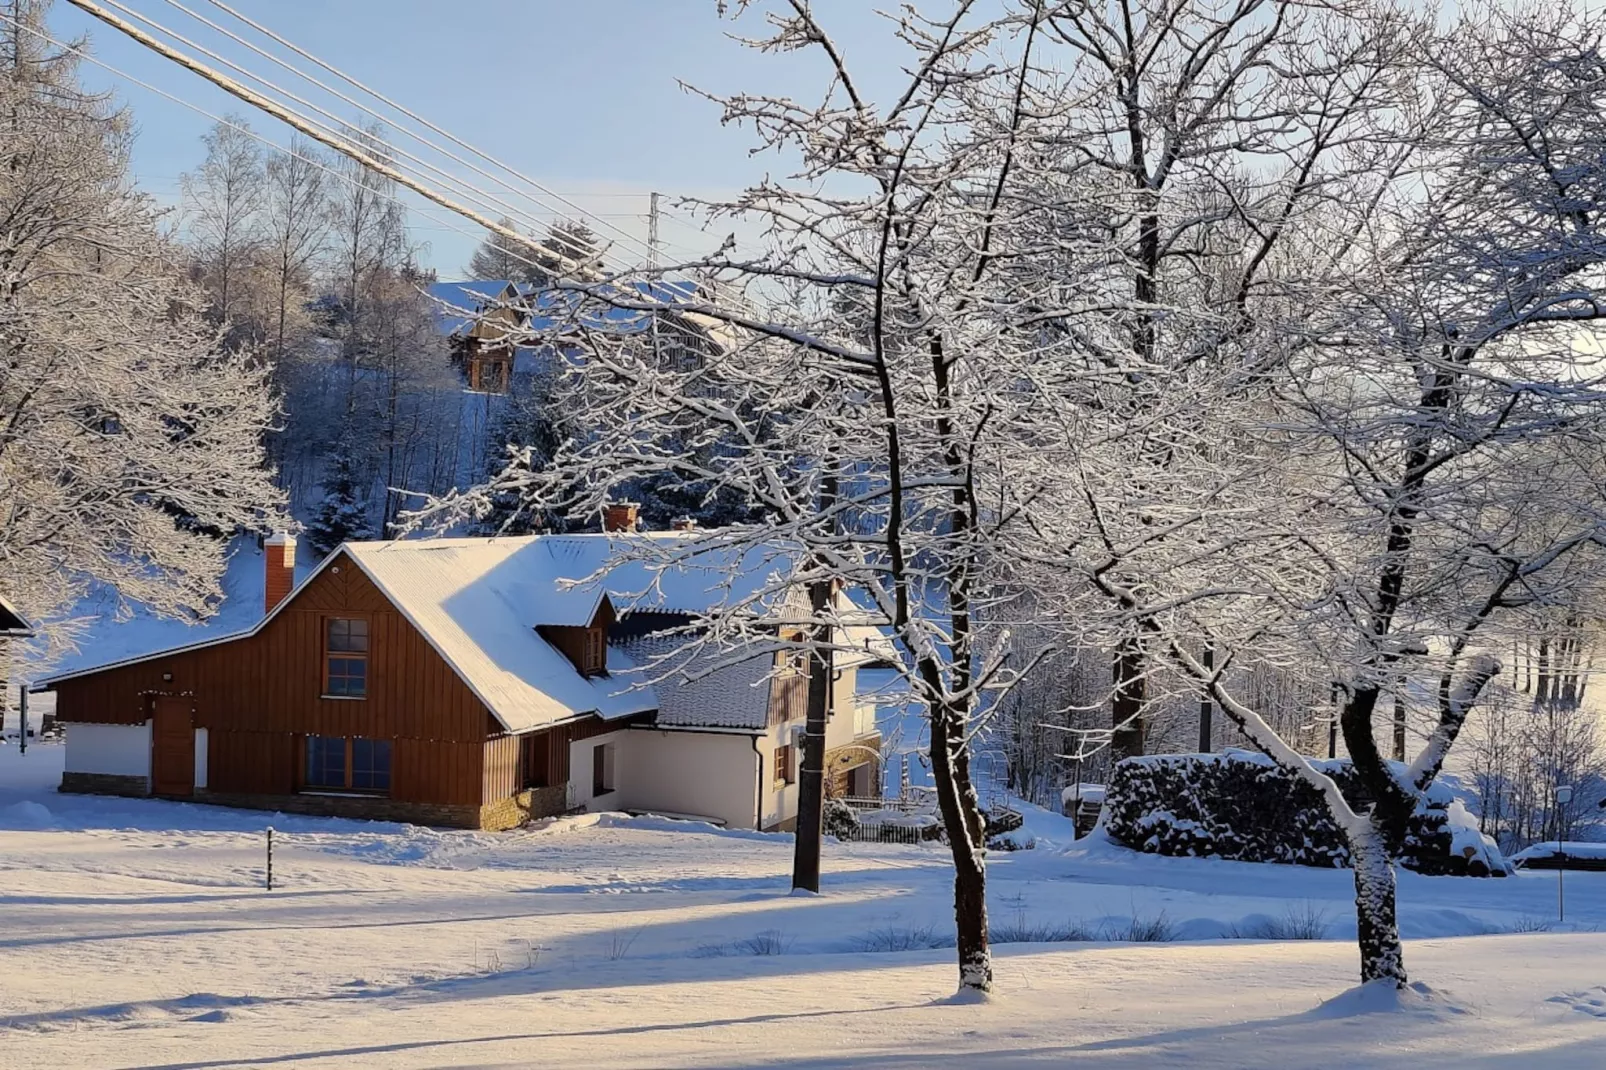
(138, 933)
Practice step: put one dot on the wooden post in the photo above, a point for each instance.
(270, 858)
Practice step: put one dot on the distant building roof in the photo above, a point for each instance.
(12, 626)
(459, 304)
(555, 310)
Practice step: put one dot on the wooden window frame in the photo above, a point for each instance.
(501, 368)
(365, 656)
(596, 652)
(785, 770)
(345, 787)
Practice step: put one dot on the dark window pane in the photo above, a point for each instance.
(370, 764)
(326, 762)
(348, 636)
(348, 677)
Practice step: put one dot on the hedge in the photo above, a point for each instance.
(1240, 805)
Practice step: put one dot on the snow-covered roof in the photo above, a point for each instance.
(556, 310)
(12, 625)
(479, 601)
(458, 304)
(735, 697)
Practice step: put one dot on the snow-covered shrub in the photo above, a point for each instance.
(841, 820)
(1240, 805)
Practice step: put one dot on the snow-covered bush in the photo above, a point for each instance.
(841, 820)
(1241, 805)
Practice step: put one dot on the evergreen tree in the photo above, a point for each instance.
(501, 258)
(342, 516)
(523, 422)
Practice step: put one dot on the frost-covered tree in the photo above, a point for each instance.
(130, 436)
(295, 227)
(1424, 455)
(224, 200)
(884, 415)
(569, 249)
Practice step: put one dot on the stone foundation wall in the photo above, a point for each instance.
(362, 808)
(531, 804)
(105, 784)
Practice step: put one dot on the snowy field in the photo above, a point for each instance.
(138, 933)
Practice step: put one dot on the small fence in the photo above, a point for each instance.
(903, 829)
(913, 835)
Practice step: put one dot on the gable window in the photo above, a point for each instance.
(338, 763)
(784, 772)
(602, 760)
(596, 652)
(346, 658)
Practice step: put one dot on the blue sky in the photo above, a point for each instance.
(578, 94)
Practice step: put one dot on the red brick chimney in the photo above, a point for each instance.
(620, 516)
(279, 553)
(685, 523)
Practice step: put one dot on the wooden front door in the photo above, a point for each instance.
(172, 747)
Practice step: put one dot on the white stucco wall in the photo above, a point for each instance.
(580, 760)
(200, 757)
(702, 774)
(116, 749)
(780, 800)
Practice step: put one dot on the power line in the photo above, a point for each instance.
(383, 167)
(482, 196)
(473, 193)
(303, 53)
(247, 131)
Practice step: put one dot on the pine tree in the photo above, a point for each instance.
(342, 516)
(500, 258)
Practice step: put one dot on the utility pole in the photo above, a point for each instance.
(811, 770)
(652, 233)
(1205, 708)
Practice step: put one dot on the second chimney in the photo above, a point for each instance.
(279, 553)
(685, 523)
(620, 516)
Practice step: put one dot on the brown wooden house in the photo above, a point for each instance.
(480, 321)
(455, 682)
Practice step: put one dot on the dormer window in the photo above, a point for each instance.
(585, 647)
(583, 638)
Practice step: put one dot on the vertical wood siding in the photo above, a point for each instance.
(258, 696)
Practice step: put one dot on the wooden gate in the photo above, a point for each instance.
(172, 747)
